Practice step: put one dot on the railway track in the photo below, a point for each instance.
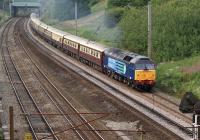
(155, 103)
(62, 104)
(167, 104)
(38, 125)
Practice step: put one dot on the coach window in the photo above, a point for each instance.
(99, 55)
(66, 42)
(96, 54)
(92, 52)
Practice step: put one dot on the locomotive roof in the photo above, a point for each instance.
(125, 55)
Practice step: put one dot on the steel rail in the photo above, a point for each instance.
(17, 94)
(15, 90)
(63, 97)
(165, 105)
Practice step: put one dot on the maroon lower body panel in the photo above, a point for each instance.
(91, 58)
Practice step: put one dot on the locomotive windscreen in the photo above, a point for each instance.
(145, 64)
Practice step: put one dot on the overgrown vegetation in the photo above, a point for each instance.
(176, 28)
(176, 77)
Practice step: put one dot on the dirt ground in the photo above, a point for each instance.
(192, 69)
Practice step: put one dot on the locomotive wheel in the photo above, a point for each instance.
(129, 83)
(120, 79)
(109, 73)
(124, 81)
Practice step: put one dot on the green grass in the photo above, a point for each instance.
(172, 79)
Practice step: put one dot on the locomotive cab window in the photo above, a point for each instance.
(143, 66)
(128, 58)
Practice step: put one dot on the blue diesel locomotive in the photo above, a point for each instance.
(133, 69)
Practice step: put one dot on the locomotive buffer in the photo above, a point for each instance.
(190, 104)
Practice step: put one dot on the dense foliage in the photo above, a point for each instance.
(116, 9)
(176, 29)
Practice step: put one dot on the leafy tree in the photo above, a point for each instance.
(176, 29)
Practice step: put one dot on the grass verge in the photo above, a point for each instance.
(173, 78)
